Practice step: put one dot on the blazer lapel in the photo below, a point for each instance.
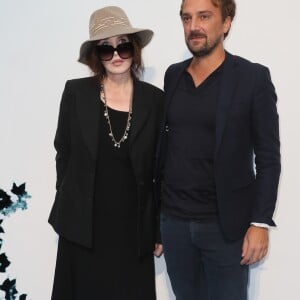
(88, 110)
(226, 94)
(140, 110)
(171, 85)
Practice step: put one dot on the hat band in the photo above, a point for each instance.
(96, 27)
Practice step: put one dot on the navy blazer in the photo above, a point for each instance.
(247, 151)
(77, 141)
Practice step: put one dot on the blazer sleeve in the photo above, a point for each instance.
(265, 128)
(62, 141)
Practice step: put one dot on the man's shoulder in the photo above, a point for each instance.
(174, 71)
(178, 67)
(245, 63)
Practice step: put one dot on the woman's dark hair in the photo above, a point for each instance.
(136, 69)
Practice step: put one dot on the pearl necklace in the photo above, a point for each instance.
(117, 144)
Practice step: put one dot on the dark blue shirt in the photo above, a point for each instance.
(189, 186)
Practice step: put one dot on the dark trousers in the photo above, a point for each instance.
(201, 264)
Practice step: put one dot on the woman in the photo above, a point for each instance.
(105, 141)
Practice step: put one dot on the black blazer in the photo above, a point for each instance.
(247, 138)
(76, 142)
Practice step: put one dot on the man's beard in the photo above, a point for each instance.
(207, 48)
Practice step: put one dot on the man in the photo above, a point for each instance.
(218, 161)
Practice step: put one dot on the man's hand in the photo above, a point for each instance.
(255, 246)
(158, 250)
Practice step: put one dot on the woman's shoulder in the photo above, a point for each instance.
(146, 86)
(82, 86)
(149, 94)
(83, 81)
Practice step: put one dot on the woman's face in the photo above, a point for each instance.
(116, 65)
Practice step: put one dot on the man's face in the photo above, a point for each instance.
(203, 26)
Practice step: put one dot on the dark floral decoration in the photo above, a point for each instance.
(9, 205)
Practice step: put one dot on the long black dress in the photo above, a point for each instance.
(111, 269)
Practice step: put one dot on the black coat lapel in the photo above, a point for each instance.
(88, 110)
(140, 110)
(225, 96)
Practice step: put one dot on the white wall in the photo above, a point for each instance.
(39, 45)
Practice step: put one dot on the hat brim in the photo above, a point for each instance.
(145, 36)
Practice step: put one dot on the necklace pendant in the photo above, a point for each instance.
(117, 144)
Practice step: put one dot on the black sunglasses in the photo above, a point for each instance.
(106, 52)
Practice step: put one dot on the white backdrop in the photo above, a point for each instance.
(39, 45)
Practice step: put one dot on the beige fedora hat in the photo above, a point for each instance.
(108, 22)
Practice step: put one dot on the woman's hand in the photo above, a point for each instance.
(158, 250)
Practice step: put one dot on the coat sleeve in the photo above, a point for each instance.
(265, 128)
